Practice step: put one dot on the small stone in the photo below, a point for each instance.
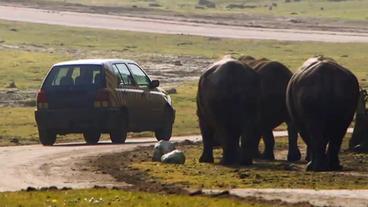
(290, 167)
(29, 189)
(243, 175)
(154, 5)
(187, 142)
(178, 63)
(195, 192)
(220, 193)
(161, 148)
(11, 85)
(174, 157)
(15, 141)
(171, 91)
(207, 3)
(11, 91)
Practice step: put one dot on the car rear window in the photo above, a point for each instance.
(75, 76)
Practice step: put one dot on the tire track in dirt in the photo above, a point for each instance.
(139, 24)
(60, 165)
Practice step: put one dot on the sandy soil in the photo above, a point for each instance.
(141, 24)
(62, 165)
(121, 171)
(77, 165)
(240, 19)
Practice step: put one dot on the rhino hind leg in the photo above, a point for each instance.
(269, 142)
(306, 138)
(230, 148)
(294, 152)
(334, 149)
(248, 143)
(208, 139)
(317, 146)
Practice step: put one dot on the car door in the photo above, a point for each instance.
(133, 95)
(153, 100)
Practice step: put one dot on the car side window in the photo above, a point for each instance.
(61, 75)
(124, 73)
(138, 75)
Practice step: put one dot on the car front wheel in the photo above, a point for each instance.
(165, 132)
(47, 137)
(92, 137)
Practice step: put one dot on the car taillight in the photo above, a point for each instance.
(102, 98)
(42, 100)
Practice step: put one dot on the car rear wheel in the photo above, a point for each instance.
(165, 132)
(47, 137)
(119, 135)
(92, 137)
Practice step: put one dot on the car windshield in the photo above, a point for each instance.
(75, 76)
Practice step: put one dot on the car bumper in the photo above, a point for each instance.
(76, 121)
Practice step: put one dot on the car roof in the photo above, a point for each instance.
(93, 62)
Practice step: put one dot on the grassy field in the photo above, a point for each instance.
(22, 119)
(347, 10)
(263, 174)
(103, 197)
(28, 51)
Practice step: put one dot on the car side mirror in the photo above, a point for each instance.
(154, 84)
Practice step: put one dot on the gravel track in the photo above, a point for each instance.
(139, 24)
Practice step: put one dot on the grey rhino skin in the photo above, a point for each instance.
(274, 80)
(227, 105)
(321, 99)
(359, 138)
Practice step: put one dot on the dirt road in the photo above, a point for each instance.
(39, 166)
(60, 166)
(171, 26)
(323, 198)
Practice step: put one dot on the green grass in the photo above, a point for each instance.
(28, 50)
(186, 122)
(263, 174)
(26, 69)
(17, 124)
(347, 10)
(105, 197)
(32, 48)
(22, 119)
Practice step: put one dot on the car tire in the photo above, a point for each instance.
(92, 137)
(47, 137)
(119, 135)
(165, 132)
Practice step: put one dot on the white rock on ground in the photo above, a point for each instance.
(174, 157)
(162, 147)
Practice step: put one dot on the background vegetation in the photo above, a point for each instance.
(330, 9)
(29, 50)
(263, 174)
(104, 197)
